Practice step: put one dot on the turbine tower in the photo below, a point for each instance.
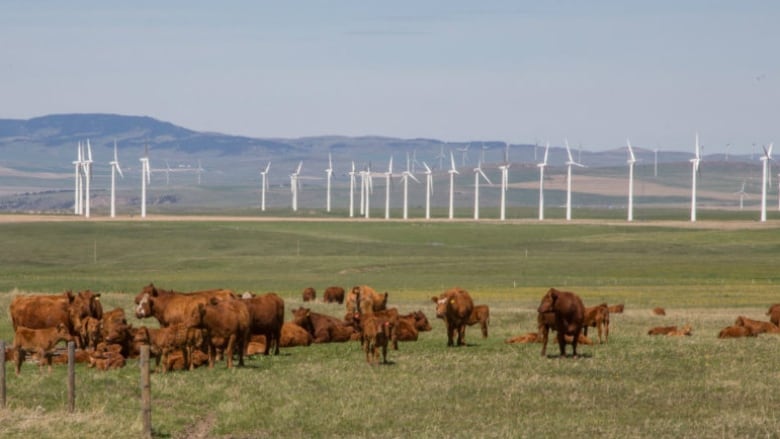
(541, 181)
(77, 189)
(264, 185)
(405, 176)
(631, 161)
(352, 191)
(368, 183)
(146, 178)
(294, 186)
(428, 190)
(87, 178)
(114, 169)
(694, 170)
(452, 173)
(765, 158)
(477, 173)
(569, 163)
(742, 194)
(388, 175)
(328, 176)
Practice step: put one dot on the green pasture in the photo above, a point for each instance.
(633, 386)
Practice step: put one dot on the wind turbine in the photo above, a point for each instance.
(694, 170)
(569, 164)
(87, 178)
(464, 153)
(441, 157)
(146, 178)
(631, 161)
(452, 173)
(368, 182)
(77, 189)
(477, 172)
(167, 173)
(199, 170)
(328, 176)
(352, 191)
(428, 190)
(389, 174)
(742, 194)
(294, 186)
(765, 158)
(114, 169)
(504, 182)
(264, 185)
(541, 181)
(405, 176)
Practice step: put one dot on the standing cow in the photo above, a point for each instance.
(334, 294)
(455, 307)
(569, 314)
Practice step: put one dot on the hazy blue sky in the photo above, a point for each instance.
(519, 71)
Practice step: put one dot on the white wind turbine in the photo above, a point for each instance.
(765, 158)
(87, 178)
(294, 186)
(569, 163)
(452, 171)
(742, 194)
(328, 176)
(541, 181)
(368, 183)
(464, 153)
(352, 191)
(405, 176)
(694, 170)
(477, 173)
(631, 161)
(77, 189)
(114, 169)
(388, 175)
(264, 185)
(428, 190)
(146, 178)
(504, 182)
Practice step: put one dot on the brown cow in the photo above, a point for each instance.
(774, 314)
(334, 294)
(39, 341)
(48, 311)
(376, 332)
(227, 325)
(671, 330)
(684, 331)
(106, 360)
(597, 317)
(364, 292)
(266, 314)
(616, 309)
(421, 322)
(480, 314)
(533, 337)
(736, 332)
(171, 307)
(454, 306)
(659, 311)
(309, 294)
(256, 345)
(756, 326)
(293, 335)
(323, 328)
(176, 360)
(388, 317)
(90, 332)
(569, 313)
(163, 341)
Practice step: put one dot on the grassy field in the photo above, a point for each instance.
(633, 386)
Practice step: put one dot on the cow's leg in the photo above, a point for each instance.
(574, 341)
(462, 335)
(228, 353)
(241, 346)
(562, 341)
(484, 329)
(606, 331)
(600, 332)
(545, 335)
(19, 358)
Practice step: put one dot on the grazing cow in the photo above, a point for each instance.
(757, 326)
(227, 325)
(171, 307)
(293, 335)
(39, 341)
(480, 314)
(659, 311)
(597, 317)
(334, 294)
(266, 315)
(455, 307)
(376, 333)
(569, 314)
(309, 294)
(774, 314)
(323, 329)
(48, 311)
(736, 332)
(364, 292)
(616, 309)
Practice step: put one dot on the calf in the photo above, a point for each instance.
(106, 360)
(376, 334)
(756, 326)
(616, 309)
(163, 341)
(568, 311)
(662, 330)
(227, 323)
(597, 317)
(90, 332)
(294, 335)
(684, 331)
(40, 341)
(480, 314)
(533, 337)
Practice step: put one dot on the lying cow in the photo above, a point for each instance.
(736, 332)
(670, 330)
(774, 314)
(323, 328)
(569, 312)
(659, 311)
(533, 337)
(38, 341)
(757, 326)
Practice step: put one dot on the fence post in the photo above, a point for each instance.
(2, 374)
(71, 376)
(146, 393)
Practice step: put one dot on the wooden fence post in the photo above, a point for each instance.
(2, 374)
(146, 393)
(71, 377)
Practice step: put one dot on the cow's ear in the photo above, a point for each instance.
(435, 299)
(214, 301)
(70, 296)
(308, 313)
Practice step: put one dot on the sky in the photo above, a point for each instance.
(593, 72)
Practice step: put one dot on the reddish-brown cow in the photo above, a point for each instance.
(569, 314)
(736, 332)
(171, 307)
(48, 311)
(757, 326)
(480, 314)
(597, 317)
(774, 314)
(39, 341)
(309, 294)
(323, 328)
(227, 324)
(364, 292)
(334, 294)
(266, 314)
(455, 307)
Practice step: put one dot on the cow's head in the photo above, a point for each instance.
(147, 290)
(144, 307)
(302, 317)
(441, 305)
(548, 301)
(421, 321)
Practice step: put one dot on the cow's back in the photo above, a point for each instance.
(38, 312)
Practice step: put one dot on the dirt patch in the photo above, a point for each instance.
(199, 429)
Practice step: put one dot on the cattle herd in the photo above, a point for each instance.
(202, 327)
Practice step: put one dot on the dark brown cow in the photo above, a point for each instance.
(227, 325)
(569, 314)
(480, 314)
(266, 314)
(48, 311)
(323, 328)
(757, 326)
(736, 332)
(597, 317)
(454, 306)
(309, 294)
(171, 307)
(774, 314)
(334, 294)
(38, 341)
